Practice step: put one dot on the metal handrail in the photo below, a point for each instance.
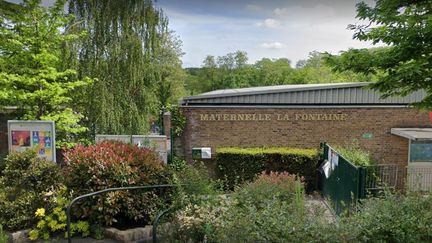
(110, 190)
(156, 223)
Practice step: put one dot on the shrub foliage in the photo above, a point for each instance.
(114, 164)
(355, 155)
(237, 165)
(269, 209)
(391, 218)
(25, 180)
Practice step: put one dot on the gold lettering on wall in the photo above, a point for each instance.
(277, 117)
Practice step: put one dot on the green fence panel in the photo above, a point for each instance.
(344, 185)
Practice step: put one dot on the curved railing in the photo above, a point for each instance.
(155, 223)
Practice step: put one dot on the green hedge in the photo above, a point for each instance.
(237, 165)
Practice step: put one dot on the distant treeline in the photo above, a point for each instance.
(233, 71)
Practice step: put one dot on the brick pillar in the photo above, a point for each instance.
(167, 124)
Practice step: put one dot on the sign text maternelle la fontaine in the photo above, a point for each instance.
(274, 117)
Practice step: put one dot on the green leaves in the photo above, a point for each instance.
(31, 73)
(404, 66)
(237, 165)
(23, 184)
(232, 71)
(134, 57)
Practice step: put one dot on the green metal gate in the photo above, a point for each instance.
(343, 183)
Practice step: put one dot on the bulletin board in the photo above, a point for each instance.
(39, 135)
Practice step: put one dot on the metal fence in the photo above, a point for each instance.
(383, 176)
(341, 182)
(419, 179)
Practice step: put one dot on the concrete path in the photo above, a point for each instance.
(316, 204)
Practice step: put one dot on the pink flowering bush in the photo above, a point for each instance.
(115, 164)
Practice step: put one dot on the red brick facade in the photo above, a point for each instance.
(302, 128)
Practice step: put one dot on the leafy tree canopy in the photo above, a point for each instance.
(134, 58)
(233, 71)
(404, 64)
(31, 77)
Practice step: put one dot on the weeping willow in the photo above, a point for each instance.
(120, 43)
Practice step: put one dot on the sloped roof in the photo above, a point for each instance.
(413, 133)
(303, 94)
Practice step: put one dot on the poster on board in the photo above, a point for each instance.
(39, 135)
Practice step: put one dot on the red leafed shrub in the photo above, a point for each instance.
(115, 164)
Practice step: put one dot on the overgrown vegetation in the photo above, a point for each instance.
(269, 209)
(238, 165)
(391, 218)
(272, 209)
(193, 180)
(355, 155)
(178, 120)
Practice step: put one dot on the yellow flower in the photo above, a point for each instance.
(40, 212)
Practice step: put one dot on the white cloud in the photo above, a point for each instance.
(269, 23)
(281, 12)
(272, 45)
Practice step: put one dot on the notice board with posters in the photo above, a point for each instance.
(39, 135)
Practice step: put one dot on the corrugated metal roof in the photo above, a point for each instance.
(304, 94)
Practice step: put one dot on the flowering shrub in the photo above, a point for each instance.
(25, 180)
(115, 164)
(53, 220)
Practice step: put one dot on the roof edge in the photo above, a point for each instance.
(273, 91)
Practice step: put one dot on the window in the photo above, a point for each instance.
(421, 151)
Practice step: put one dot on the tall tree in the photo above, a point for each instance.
(31, 74)
(168, 71)
(274, 72)
(124, 39)
(405, 65)
(209, 70)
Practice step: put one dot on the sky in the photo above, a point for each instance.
(263, 28)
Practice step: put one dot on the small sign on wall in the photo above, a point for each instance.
(201, 153)
(39, 135)
(367, 135)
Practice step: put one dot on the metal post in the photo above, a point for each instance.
(171, 146)
(156, 223)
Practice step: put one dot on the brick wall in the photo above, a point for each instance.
(306, 128)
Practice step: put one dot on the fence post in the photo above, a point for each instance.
(362, 183)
